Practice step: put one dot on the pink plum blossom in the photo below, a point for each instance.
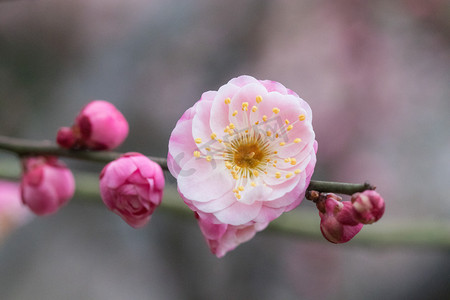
(336, 220)
(99, 126)
(46, 185)
(243, 155)
(368, 206)
(132, 187)
(12, 211)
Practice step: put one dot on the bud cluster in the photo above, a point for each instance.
(130, 186)
(341, 221)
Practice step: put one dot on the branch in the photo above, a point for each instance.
(24, 147)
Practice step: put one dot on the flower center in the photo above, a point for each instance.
(248, 153)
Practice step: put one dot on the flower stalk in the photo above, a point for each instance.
(24, 147)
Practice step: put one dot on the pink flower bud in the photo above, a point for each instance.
(222, 238)
(12, 211)
(336, 221)
(47, 184)
(132, 187)
(99, 126)
(368, 206)
(65, 138)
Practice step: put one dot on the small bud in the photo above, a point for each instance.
(132, 187)
(65, 138)
(368, 206)
(336, 223)
(46, 185)
(99, 126)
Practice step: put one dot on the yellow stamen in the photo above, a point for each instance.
(197, 154)
(297, 140)
(282, 143)
(234, 113)
(289, 175)
(255, 173)
(238, 196)
(287, 160)
(254, 109)
(232, 126)
(302, 117)
(269, 133)
(227, 101)
(253, 183)
(209, 158)
(208, 149)
(286, 121)
(257, 122)
(275, 110)
(293, 161)
(244, 106)
(198, 140)
(213, 136)
(277, 175)
(241, 188)
(289, 127)
(297, 171)
(264, 118)
(258, 99)
(228, 165)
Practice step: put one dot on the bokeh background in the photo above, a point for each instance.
(376, 74)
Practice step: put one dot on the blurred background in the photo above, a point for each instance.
(376, 74)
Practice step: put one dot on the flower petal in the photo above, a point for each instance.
(239, 213)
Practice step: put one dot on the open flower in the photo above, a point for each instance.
(47, 184)
(244, 154)
(132, 187)
(99, 126)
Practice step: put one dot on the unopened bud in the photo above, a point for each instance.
(336, 222)
(368, 206)
(132, 187)
(99, 126)
(65, 138)
(46, 185)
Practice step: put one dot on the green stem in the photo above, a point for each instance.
(24, 147)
